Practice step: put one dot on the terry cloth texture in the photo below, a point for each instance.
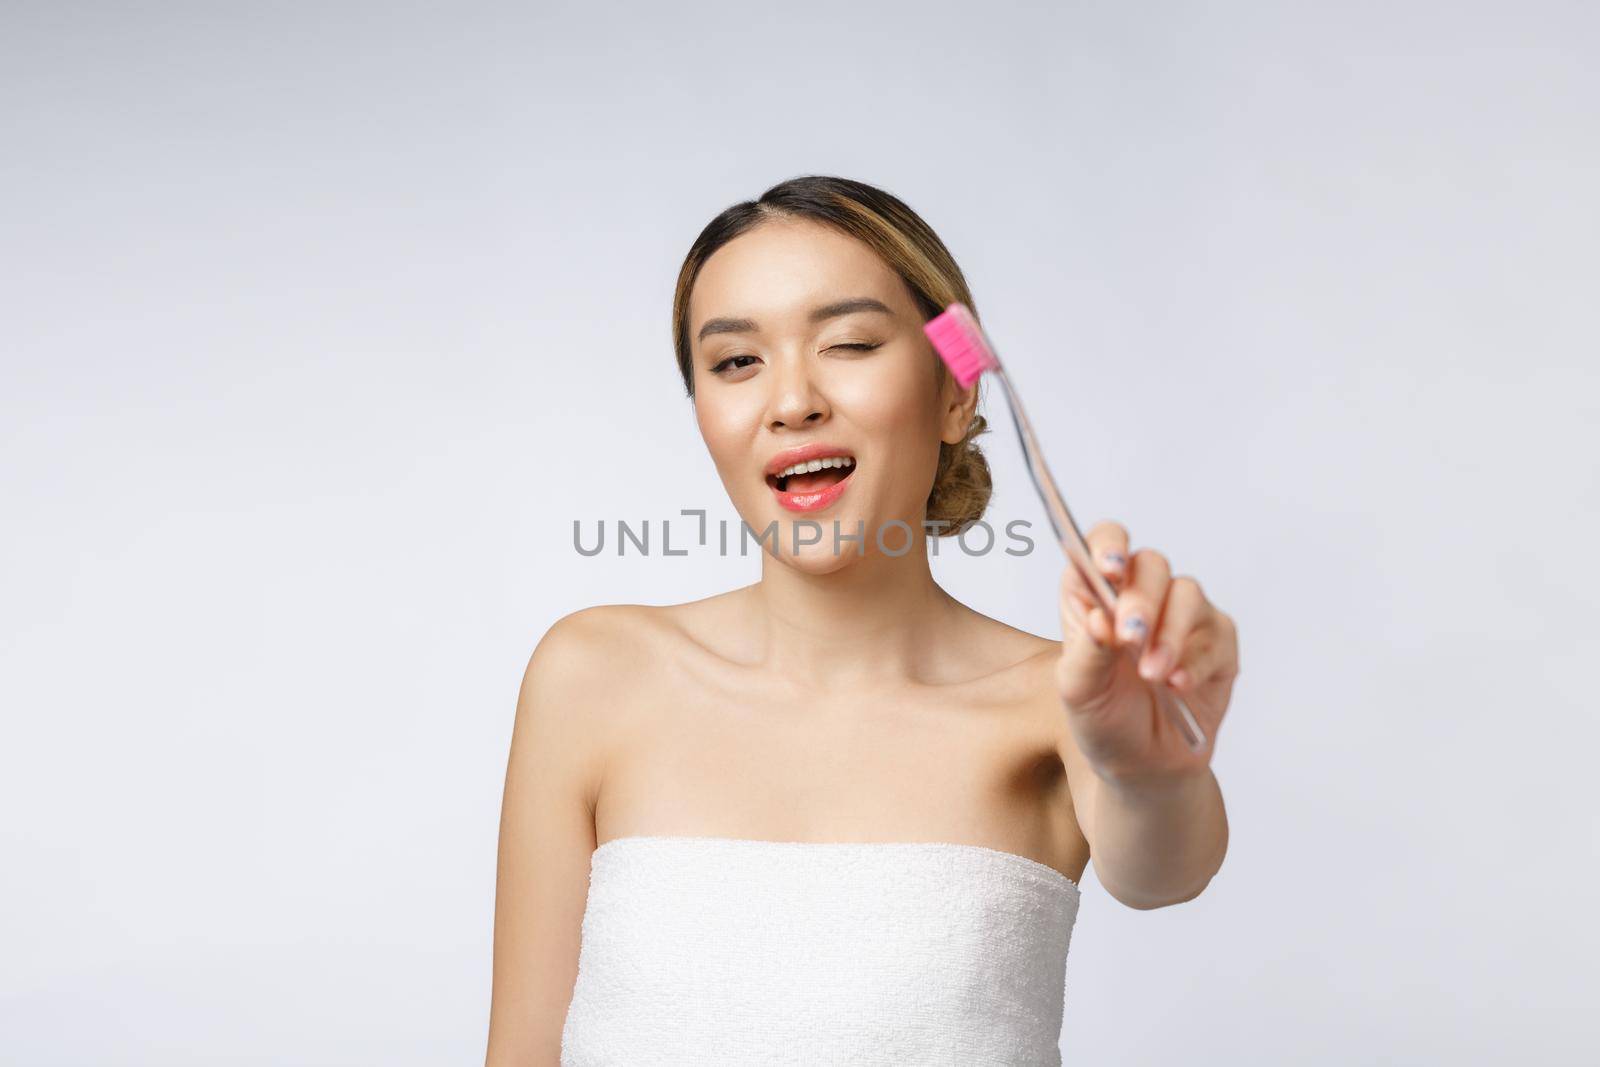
(704, 951)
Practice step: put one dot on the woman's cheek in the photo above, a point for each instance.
(883, 395)
(725, 440)
(901, 421)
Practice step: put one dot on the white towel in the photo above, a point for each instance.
(712, 950)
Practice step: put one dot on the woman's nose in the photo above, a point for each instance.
(795, 399)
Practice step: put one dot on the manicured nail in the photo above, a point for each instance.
(1134, 629)
(1156, 663)
(1114, 561)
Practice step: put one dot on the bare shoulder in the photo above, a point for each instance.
(579, 673)
(1032, 681)
(1014, 654)
(1032, 675)
(590, 636)
(599, 639)
(595, 655)
(1022, 674)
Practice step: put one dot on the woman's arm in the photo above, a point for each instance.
(1149, 806)
(1153, 843)
(546, 839)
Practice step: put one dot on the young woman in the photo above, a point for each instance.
(838, 816)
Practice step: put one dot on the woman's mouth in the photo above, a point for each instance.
(813, 485)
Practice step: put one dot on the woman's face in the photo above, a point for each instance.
(803, 339)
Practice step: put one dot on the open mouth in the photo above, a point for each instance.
(813, 484)
(813, 477)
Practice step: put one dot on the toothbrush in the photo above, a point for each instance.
(961, 343)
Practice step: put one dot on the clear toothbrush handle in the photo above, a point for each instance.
(1077, 552)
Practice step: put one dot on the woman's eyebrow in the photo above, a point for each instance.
(826, 311)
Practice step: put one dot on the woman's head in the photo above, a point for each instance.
(798, 320)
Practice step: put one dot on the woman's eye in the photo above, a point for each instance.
(718, 369)
(742, 361)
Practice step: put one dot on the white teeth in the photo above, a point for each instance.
(816, 465)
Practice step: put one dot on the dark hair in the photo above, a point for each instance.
(961, 486)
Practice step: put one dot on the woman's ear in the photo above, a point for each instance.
(958, 406)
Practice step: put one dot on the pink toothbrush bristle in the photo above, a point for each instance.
(959, 340)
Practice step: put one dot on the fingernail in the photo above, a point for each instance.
(1114, 561)
(1134, 629)
(1156, 663)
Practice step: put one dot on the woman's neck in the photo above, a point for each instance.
(882, 619)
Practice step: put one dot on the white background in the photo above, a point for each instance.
(322, 323)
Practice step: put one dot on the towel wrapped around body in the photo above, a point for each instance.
(707, 950)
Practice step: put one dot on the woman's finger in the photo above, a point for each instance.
(1074, 586)
(1211, 655)
(1181, 636)
(1081, 613)
(1108, 547)
(1140, 602)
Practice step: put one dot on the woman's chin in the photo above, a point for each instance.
(819, 559)
(808, 541)
(822, 541)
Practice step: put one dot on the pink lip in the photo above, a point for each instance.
(809, 501)
(804, 454)
(813, 501)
